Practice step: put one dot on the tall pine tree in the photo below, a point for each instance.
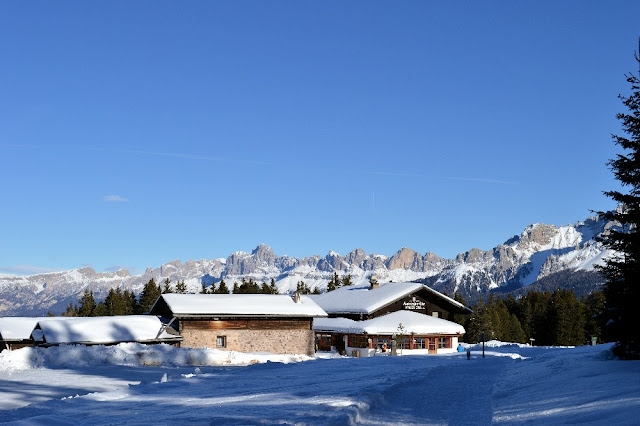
(622, 272)
(223, 289)
(87, 304)
(167, 286)
(181, 287)
(148, 297)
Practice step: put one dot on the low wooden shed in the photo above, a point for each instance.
(108, 330)
(15, 332)
(242, 322)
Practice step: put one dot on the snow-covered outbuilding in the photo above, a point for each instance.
(109, 330)
(15, 332)
(410, 332)
(242, 322)
(366, 317)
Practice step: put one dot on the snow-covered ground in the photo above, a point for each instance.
(134, 384)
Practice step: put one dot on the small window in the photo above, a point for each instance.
(435, 314)
(444, 342)
(221, 342)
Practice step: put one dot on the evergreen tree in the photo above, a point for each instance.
(115, 303)
(273, 287)
(566, 319)
(236, 288)
(253, 287)
(204, 290)
(334, 283)
(315, 290)
(462, 319)
(130, 302)
(148, 297)
(72, 310)
(303, 288)
(264, 289)
(223, 289)
(479, 322)
(533, 316)
(167, 286)
(87, 304)
(594, 305)
(516, 332)
(181, 287)
(100, 310)
(346, 280)
(622, 271)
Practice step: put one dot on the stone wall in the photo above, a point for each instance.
(279, 341)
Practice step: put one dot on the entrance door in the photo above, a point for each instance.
(432, 345)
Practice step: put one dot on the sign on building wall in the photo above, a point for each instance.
(414, 304)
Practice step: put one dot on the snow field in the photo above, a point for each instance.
(513, 384)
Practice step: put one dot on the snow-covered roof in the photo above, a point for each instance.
(19, 328)
(102, 330)
(364, 300)
(412, 323)
(240, 305)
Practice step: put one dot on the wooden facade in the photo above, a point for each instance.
(431, 314)
(13, 345)
(370, 345)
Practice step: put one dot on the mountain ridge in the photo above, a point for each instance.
(539, 251)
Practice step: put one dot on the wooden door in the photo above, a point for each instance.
(432, 345)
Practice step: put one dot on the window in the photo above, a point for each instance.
(358, 341)
(404, 343)
(435, 314)
(444, 342)
(378, 342)
(418, 343)
(221, 342)
(324, 342)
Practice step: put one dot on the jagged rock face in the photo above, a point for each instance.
(472, 256)
(539, 251)
(356, 257)
(264, 254)
(406, 258)
(537, 234)
(332, 262)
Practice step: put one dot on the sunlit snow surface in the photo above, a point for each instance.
(134, 384)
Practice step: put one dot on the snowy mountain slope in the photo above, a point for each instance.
(538, 252)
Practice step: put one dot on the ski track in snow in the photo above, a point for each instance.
(512, 385)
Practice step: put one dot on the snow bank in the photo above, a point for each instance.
(495, 344)
(133, 354)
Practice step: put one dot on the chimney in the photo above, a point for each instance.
(374, 282)
(296, 297)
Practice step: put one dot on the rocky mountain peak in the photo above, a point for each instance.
(264, 253)
(406, 258)
(87, 271)
(472, 256)
(356, 257)
(123, 273)
(537, 233)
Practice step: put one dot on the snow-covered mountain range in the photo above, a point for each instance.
(539, 251)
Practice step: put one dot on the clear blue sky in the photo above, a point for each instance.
(135, 133)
